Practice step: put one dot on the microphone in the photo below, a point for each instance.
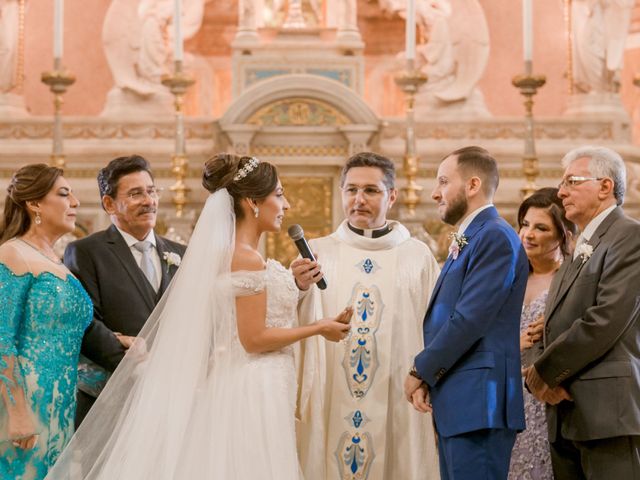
(297, 235)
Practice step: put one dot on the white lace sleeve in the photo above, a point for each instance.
(248, 283)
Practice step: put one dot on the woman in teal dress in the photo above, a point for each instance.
(43, 314)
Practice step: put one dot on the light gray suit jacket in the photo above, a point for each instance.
(592, 336)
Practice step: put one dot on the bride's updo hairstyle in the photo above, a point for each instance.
(243, 177)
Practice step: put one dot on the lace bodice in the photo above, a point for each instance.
(42, 321)
(282, 292)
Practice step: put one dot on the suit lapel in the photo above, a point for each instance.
(161, 245)
(569, 276)
(571, 273)
(125, 257)
(471, 230)
(436, 289)
(556, 283)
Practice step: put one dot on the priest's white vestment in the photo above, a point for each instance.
(354, 422)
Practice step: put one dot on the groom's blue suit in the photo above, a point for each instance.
(471, 360)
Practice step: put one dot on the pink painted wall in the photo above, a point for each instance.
(506, 59)
(383, 35)
(83, 56)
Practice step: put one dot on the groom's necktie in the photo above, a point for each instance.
(146, 265)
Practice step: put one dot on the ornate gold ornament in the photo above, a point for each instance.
(311, 206)
(298, 112)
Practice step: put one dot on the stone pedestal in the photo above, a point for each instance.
(12, 106)
(281, 52)
(596, 104)
(124, 104)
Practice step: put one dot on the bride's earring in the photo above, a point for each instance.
(256, 212)
(38, 218)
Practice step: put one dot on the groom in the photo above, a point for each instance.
(125, 269)
(470, 367)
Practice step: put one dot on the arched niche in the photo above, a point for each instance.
(299, 116)
(308, 126)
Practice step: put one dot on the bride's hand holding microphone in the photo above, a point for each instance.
(337, 328)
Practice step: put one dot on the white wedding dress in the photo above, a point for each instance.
(248, 426)
(187, 401)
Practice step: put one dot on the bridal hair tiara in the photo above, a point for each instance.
(249, 167)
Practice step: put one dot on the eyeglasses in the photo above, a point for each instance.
(573, 181)
(367, 192)
(139, 195)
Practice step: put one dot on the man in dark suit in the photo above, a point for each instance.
(470, 366)
(125, 269)
(589, 371)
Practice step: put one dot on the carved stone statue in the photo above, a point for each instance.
(138, 42)
(276, 13)
(9, 17)
(11, 99)
(600, 30)
(453, 57)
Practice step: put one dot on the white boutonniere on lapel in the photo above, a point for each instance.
(172, 258)
(584, 251)
(458, 242)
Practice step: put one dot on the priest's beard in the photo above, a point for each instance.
(457, 209)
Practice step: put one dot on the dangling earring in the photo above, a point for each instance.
(256, 212)
(38, 219)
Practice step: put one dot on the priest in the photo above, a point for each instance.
(353, 419)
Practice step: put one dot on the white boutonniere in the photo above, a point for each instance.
(457, 244)
(172, 258)
(584, 251)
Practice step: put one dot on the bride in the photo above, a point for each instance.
(208, 388)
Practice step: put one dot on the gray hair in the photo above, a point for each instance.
(603, 162)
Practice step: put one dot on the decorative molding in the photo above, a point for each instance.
(305, 86)
(298, 111)
(300, 150)
(311, 206)
(341, 75)
(496, 129)
(513, 172)
(90, 129)
(70, 172)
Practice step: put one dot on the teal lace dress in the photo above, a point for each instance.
(42, 321)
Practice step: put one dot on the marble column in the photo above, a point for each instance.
(248, 22)
(348, 32)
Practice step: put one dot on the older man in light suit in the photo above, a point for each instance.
(589, 371)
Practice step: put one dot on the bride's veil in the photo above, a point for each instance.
(137, 427)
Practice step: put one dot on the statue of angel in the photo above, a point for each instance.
(138, 43)
(9, 19)
(454, 54)
(600, 30)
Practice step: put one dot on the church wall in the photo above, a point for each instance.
(505, 60)
(90, 141)
(83, 56)
(383, 36)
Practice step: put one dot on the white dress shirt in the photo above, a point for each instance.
(591, 228)
(131, 241)
(469, 218)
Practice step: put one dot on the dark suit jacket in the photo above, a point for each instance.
(471, 359)
(592, 336)
(122, 296)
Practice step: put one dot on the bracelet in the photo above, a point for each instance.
(414, 373)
